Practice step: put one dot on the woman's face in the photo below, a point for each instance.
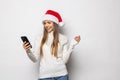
(49, 25)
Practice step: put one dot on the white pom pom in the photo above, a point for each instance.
(61, 24)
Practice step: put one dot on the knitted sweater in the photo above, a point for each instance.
(51, 66)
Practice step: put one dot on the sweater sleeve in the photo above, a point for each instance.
(67, 50)
(34, 54)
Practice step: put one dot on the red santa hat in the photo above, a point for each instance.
(53, 16)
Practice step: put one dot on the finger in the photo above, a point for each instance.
(27, 47)
(26, 44)
(79, 37)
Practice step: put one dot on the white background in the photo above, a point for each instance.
(97, 57)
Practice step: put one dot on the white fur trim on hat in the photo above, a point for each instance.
(50, 17)
(61, 24)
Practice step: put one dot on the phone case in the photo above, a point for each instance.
(24, 38)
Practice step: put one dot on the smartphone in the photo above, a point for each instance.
(24, 38)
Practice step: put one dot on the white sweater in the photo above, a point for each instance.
(49, 65)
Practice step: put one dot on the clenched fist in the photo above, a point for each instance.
(77, 38)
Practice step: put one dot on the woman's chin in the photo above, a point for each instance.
(49, 31)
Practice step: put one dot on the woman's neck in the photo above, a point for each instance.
(50, 33)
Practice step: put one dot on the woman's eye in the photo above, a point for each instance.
(49, 22)
(44, 23)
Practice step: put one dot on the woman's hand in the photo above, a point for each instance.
(26, 46)
(77, 38)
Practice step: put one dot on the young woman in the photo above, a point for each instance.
(51, 49)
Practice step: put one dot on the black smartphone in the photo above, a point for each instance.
(24, 38)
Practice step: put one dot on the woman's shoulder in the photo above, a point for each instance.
(63, 38)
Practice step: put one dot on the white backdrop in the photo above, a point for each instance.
(97, 57)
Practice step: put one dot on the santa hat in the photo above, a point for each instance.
(53, 16)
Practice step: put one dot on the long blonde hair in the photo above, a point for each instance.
(54, 46)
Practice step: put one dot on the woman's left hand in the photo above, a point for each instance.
(77, 38)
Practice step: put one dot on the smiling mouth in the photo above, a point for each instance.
(48, 28)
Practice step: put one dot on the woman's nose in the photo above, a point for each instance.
(46, 25)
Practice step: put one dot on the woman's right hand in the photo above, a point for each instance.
(26, 46)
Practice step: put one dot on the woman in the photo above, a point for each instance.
(51, 49)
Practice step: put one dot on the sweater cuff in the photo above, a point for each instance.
(73, 42)
(28, 51)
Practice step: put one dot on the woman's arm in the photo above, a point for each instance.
(67, 50)
(33, 54)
